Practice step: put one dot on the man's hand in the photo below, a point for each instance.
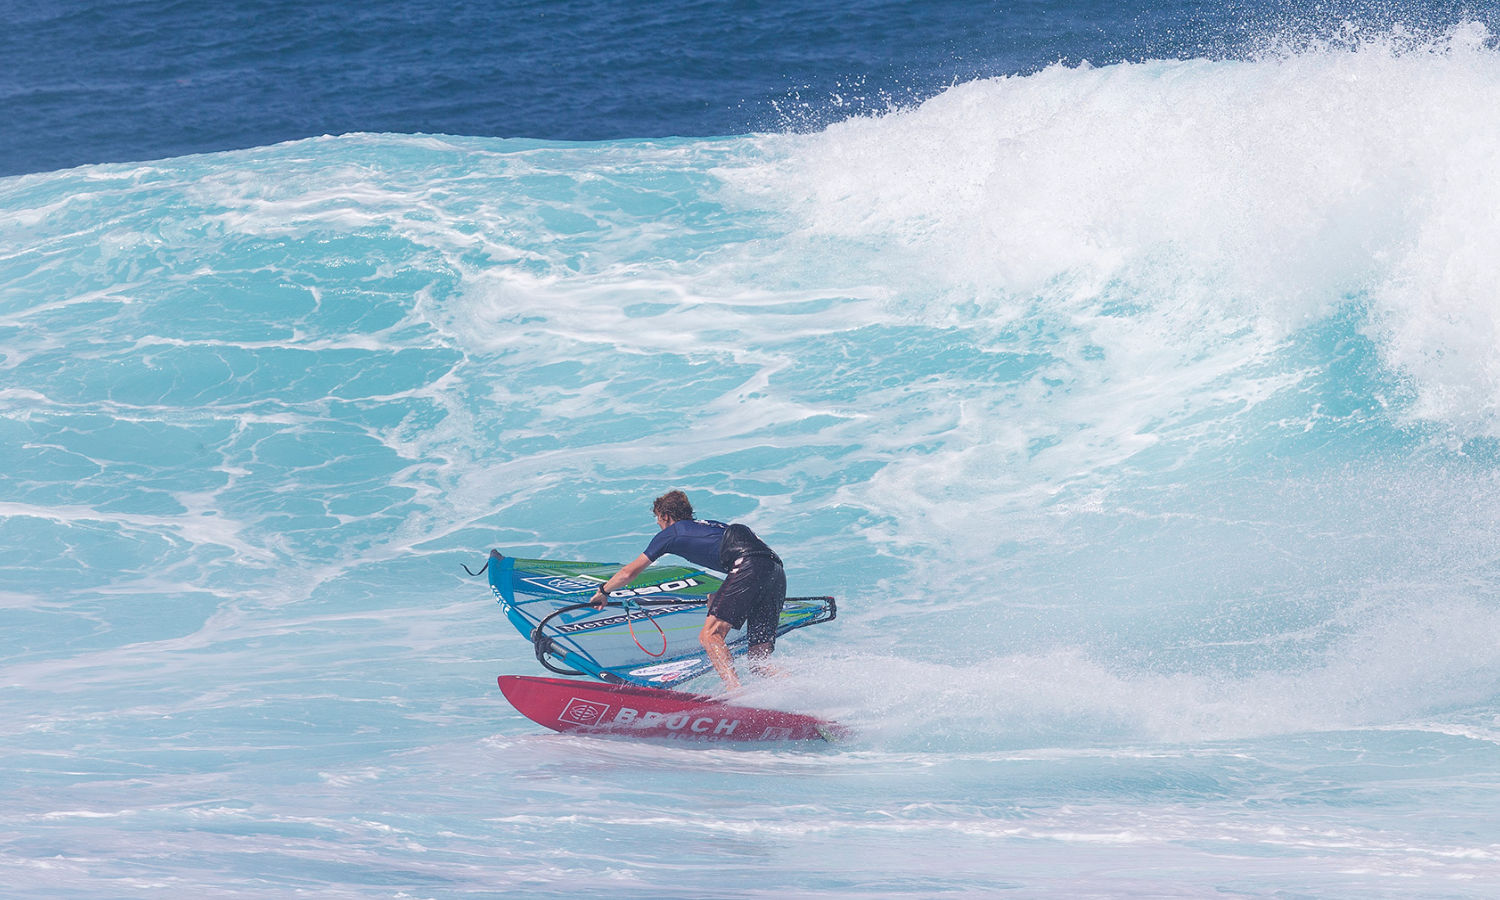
(626, 575)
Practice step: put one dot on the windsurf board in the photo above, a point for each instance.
(587, 707)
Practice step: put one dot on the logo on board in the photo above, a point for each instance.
(583, 712)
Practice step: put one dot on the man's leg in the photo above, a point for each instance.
(712, 639)
(760, 660)
(763, 619)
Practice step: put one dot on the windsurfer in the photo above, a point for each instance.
(753, 591)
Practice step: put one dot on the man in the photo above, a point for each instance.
(753, 591)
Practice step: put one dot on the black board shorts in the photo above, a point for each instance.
(752, 593)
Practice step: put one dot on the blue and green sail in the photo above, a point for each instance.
(646, 635)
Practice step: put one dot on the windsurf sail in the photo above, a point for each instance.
(646, 635)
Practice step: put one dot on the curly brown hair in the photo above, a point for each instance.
(673, 505)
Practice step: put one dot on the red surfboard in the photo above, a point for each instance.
(589, 707)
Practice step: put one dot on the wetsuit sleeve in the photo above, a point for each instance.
(661, 544)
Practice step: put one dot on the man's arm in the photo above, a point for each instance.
(621, 578)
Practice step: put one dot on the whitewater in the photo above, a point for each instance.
(1144, 419)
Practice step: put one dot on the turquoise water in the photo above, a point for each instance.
(1143, 418)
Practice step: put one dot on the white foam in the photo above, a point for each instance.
(1226, 202)
(1405, 662)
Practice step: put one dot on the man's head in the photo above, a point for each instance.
(673, 506)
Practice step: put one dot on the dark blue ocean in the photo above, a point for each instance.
(90, 82)
(1128, 372)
